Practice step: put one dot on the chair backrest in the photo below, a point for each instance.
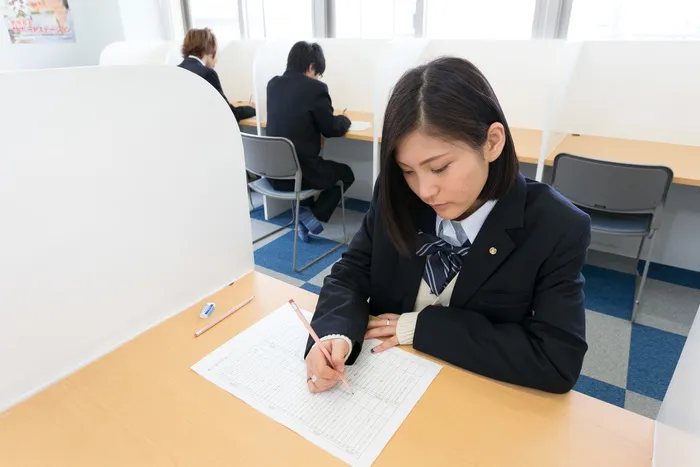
(611, 186)
(271, 157)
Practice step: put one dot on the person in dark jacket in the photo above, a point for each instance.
(459, 256)
(299, 108)
(200, 51)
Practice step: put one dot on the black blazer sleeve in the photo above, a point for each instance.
(546, 350)
(342, 306)
(331, 126)
(241, 112)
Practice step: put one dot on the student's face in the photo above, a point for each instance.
(448, 175)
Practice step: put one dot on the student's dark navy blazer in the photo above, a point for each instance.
(517, 310)
(212, 77)
(299, 108)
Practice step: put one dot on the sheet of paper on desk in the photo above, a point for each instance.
(360, 126)
(264, 367)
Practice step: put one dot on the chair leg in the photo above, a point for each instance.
(296, 234)
(263, 237)
(639, 254)
(638, 299)
(345, 238)
(342, 210)
(250, 200)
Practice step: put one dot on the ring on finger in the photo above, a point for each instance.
(388, 322)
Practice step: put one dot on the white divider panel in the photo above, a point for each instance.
(235, 68)
(270, 61)
(351, 66)
(397, 57)
(677, 439)
(566, 57)
(522, 73)
(135, 53)
(173, 53)
(119, 210)
(637, 90)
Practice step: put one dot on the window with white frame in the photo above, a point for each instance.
(219, 15)
(279, 19)
(374, 19)
(479, 19)
(634, 19)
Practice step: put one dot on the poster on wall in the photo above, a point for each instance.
(38, 21)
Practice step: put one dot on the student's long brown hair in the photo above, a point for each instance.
(450, 99)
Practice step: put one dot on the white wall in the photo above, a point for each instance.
(115, 214)
(677, 438)
(97, 23)
(144, 20)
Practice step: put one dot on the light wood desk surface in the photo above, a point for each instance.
(684, 160)
(353, 115)
(527, 144)
(142, 405)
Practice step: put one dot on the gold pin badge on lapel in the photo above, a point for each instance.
(493, 250)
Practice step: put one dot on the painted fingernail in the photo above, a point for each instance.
(372, 350)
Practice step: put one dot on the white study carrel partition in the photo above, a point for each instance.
(139, 53)
(677, 436)
(351, 69)
(117, 213)
(635, 90)
(235, 68)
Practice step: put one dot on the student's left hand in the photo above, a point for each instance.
(384, 326)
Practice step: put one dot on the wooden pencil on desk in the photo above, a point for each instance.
(226, 315)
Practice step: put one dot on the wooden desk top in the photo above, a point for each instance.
(353, 115)
(142, 405)
(684, 160)
(527, 144)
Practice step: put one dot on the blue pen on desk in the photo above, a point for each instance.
(206, 311)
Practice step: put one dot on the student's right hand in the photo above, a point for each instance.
(320, 376)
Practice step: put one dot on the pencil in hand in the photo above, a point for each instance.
(316, 339)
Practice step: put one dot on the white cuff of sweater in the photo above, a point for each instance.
(339, 336)
(406, 327)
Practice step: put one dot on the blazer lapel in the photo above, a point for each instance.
(493, 244)
(411, 268)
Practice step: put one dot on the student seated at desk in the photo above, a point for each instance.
(200, 51)
(459, 255)
(299, 108)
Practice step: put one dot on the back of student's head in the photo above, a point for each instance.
(303, 54)
(451, 100)
(199, 42)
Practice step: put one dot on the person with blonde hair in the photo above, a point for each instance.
(199, 50)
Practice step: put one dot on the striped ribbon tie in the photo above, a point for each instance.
(443, 263)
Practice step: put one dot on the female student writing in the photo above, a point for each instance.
(459, 254)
